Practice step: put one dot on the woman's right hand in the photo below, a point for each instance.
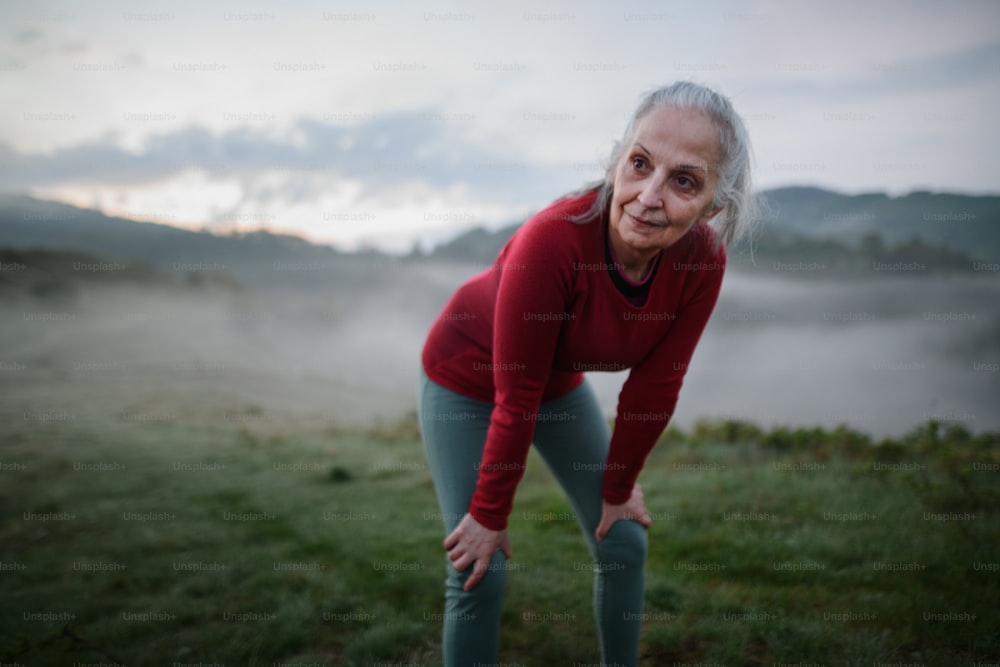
(471, 543)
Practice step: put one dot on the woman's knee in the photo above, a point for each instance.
(624, 547)
(490, 589)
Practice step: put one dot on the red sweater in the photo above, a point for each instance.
(524, 331)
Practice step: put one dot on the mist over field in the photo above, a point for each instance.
(881, 355)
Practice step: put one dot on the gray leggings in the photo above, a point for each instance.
(572, 437)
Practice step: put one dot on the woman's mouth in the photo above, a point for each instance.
(645, 224)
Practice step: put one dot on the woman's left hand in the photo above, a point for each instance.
(633, 509)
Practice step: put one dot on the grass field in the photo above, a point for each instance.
(248, 539)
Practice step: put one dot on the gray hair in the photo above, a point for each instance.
(733, 194)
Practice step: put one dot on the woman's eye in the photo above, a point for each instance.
(686, 182)
(638, 162)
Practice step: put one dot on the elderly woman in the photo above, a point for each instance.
(623, 275)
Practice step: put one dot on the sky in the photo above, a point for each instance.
(388, 124)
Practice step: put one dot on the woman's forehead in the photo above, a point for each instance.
(679, 135)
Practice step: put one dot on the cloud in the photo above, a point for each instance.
(383, 151)
(934, 73)
(408, 162)
(854, 97)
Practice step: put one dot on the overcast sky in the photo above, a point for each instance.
(381, 123)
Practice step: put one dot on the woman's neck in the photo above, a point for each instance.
(635, 262)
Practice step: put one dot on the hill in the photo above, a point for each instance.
(844, 233)
(965, 223)
(803, 227)
(260, 259)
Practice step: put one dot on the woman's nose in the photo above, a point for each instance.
(649, 196)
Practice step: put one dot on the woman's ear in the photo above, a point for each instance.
(708, 214)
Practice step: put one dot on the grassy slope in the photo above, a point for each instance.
(754, 559)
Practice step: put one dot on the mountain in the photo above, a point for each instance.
(846, 233)
(802, 226)
(258, 258)
(964, 223)
(476, 245)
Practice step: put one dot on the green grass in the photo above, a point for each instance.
(262, 543)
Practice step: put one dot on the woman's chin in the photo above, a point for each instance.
(646, 240)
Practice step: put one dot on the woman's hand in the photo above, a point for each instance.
(632, 509)
(471, 543)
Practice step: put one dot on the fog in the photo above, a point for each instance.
(882, 355)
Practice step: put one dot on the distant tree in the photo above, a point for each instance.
(872, 245)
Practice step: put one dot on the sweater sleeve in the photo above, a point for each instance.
(534, 288)
(649, 395)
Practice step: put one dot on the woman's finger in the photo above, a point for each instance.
(451, 540)
(641, 515)
(478, 572)
(462, 562)
(505, 547)
(602, 528)
(462, 556)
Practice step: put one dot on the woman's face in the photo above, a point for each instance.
(666, 179)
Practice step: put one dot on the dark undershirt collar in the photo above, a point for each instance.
(634, 292)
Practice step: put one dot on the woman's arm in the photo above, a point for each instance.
(535, 283)
(649, 395)
(531, 303)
